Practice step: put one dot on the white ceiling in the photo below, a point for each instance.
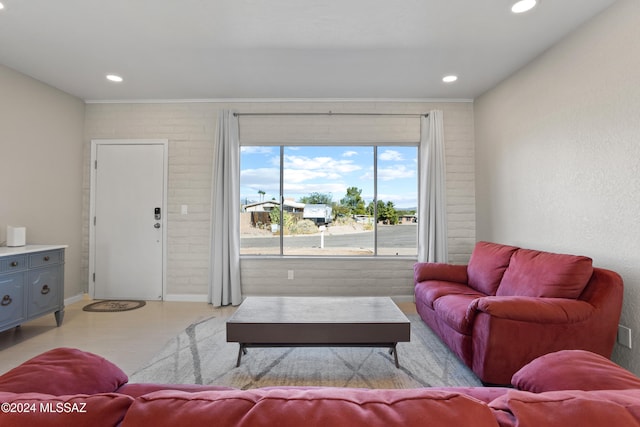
(208, 49)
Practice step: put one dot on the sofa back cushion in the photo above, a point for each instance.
(543, 274)
(64, 371)
(487, 266)
(292, 407)
(80, 410)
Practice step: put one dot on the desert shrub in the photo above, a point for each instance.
(303, 226)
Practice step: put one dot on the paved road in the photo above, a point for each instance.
(391, 236)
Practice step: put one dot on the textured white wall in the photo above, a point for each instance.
(41, 167)
(190, 128)
(558, 154)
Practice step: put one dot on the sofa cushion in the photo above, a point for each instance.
(487, 265)
(573, 370)
(544, 274)
(454, 310)
(64, 371)
(334, 407)
(428, 292)
(605, 408)
(139, 389)
(36, 409)
(483, 394)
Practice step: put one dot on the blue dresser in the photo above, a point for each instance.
(31, 283)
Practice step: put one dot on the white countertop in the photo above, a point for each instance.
(18, 250)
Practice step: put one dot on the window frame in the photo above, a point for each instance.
(375, 145)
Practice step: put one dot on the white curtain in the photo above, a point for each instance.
(224, 279)
(432, 215)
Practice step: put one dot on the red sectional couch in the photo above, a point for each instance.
(509, 306)
(68, 387)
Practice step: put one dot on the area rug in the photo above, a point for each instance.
(201, 355)
(108, 306)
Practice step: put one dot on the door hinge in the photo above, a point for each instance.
(95, 164)
(94, 220)
(94, 277)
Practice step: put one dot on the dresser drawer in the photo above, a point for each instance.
(13, 263)
(45, 258)
(11, 298)
(44, 290)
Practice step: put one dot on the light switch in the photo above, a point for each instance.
(624, 336)
(184, 209)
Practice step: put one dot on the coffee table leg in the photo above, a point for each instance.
(394, 350)
(242, 350)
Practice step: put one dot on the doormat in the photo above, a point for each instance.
(108, 306)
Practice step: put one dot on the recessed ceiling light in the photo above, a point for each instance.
(522, 6)
(1, 6)
(114, 78)
(449, 79)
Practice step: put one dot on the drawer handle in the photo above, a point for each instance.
(14, 263)
(46, 258)
(6, 300)
(45, 290)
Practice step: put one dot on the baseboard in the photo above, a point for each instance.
(73, 299)
(186, 298)
(204, 298)
(171, 297)
(403, 298)
(395, 298)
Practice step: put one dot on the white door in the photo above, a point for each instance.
(128, 226)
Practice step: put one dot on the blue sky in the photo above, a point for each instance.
(330, 169)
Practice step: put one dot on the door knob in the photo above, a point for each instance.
(156, 225)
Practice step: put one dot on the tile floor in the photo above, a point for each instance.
(129, 338)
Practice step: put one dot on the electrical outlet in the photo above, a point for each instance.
(290, 274)
(624, 336)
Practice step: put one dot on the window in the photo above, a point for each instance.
(328, 200)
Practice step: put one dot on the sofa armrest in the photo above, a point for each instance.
(64, 371)
(573, 370)
(439, 271)
(534, 309)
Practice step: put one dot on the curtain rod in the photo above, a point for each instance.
(331, 113)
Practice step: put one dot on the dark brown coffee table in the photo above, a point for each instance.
(318, 321)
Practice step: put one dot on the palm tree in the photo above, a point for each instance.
(261, 193)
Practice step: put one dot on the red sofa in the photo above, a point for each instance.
(68, 387)
(509, 306)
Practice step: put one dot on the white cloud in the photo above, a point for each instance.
(260, 173)
(391, 156)
(265, 179)
(330, 172)
(302, 175)
(297, 181)
(337, 190)
(396, 172)
(328, 164)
